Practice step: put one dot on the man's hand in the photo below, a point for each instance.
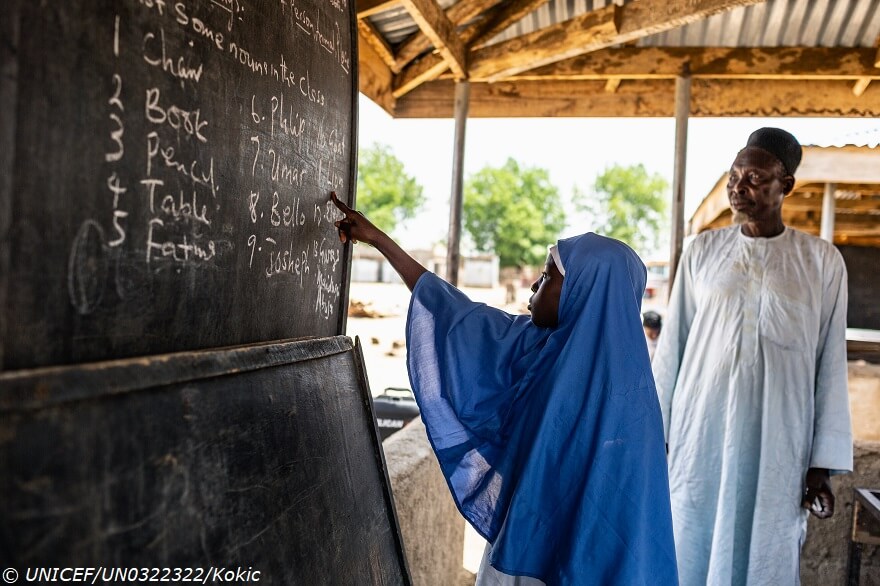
(355, 226)
(818, 498)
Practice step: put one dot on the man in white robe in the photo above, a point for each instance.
(751, 374)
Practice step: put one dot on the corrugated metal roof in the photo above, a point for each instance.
(807, 23)
(781, 23)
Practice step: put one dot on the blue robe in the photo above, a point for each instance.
(551, 440)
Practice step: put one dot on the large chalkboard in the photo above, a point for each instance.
(165, 174)
(263, 457)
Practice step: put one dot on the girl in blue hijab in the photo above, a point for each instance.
(547, 428)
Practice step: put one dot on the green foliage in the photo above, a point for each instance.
(514, 211)
(385, 193)
(628, 204)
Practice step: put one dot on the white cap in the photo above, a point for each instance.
(554, 254)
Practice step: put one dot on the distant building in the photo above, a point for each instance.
(476, 270)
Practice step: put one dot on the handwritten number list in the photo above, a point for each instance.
(221, 149)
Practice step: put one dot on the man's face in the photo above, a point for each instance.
(544, 304)
(756, 186)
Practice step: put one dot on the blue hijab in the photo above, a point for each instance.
(551, 440)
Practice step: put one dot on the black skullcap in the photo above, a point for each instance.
(780, 143)
(651, 319)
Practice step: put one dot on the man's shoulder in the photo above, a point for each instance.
(815, 245)
(713, 238)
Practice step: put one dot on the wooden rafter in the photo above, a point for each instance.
(425, 69)
(439, 29)
(595, 30)
(431, 67)
(370, 35)
(712, 62)
(860, 86)
(459, 13)
(643, 98)
(367, 8)
(589, 31)
(612, 84)
(374, 76)
(505, 16)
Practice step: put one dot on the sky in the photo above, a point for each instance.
(574, 151)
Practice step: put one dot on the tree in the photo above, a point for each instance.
(514, 211)
(628, 204)
(385, 192)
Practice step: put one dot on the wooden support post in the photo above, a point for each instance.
(826, 228)
(462, 98)
(612, 84)
(860, 86)
(682, 111)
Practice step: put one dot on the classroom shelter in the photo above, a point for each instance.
(651, 58)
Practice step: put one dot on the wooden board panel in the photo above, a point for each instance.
(263, 458)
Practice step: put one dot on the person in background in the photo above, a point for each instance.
(751, 373)
(652, 323)
(547, 428)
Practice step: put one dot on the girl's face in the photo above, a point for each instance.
(544, 304)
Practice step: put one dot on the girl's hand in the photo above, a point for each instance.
(355, 226)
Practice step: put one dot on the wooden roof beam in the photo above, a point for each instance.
(375, 77)
(507, 15)
(459, 13)
(423, 70)
(612, 84)
(591, 31)
(712, 62)
(371, 36)
(861, 85)
(430, 66)
(367, 8)
(439, 29)
(644, 98)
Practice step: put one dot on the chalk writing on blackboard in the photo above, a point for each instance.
(190, 148)
(295, 151)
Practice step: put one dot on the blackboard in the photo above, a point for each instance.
(263, 457)
(165, 174)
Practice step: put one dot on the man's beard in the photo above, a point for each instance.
(740, 217)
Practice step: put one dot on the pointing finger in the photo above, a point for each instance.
(339, 204)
